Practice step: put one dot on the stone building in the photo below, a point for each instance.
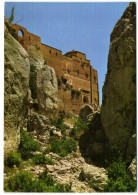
(73, 66)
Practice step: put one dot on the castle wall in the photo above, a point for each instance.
(73, 66)
(28, 38)
(95, 87)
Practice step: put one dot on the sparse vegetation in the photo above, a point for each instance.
(13, 159)
(63, 146)
(119, 180)
(41, 159)
(11, 18)
(11, 31)
(79, 127)
(27, 144)
(59, 123)
(24, 181)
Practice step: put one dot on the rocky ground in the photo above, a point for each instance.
(73, 168)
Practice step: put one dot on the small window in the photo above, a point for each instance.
(78, 72)
(68, 71)
(20, 33)
(29, 38)
(56, 53)
(85, 99)
(86, 75)
(94, 78)
(49, 51)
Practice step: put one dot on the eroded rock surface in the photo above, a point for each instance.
(119, 91)
(16, 90)
(132, 169)
(46, 83)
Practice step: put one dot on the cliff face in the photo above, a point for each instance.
(46, 83)
(30, 90)
(119, 91)
(16, 84)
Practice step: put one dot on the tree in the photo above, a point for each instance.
(11, 18)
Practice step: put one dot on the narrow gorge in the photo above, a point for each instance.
(49, 147)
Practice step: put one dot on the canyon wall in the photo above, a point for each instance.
(119, 91)
(16, 90)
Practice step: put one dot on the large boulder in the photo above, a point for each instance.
(118, 110)
(87, 112)
(16, 91)
(95, 176)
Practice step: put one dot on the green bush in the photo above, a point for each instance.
(27, 144)
(63, 146)
(80, 126)
(12, 31)
(13, 159)
(24, 181)
(41, 159)
(59, 123)
(119, 180)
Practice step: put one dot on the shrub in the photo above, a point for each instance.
(41, 159)
(13, 159)
(12, 31)
(79, 127)
(119, 180)
(27, 144)
(23, 181)
(63, 146)
(59, 123)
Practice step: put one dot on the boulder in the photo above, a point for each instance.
(132, 169)
(87, 112)
(95, 176)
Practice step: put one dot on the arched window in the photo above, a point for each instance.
(85, 99)
(20, 33)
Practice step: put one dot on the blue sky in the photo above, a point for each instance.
(85, 27)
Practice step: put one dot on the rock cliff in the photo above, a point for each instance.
(30, 90)
(16, 85)
(46, 83)
(119, 91)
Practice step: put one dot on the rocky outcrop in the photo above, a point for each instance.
(87, 112)
(132, 169)
(46, 83)
(119, 91)
(95, 176)
(16, 93)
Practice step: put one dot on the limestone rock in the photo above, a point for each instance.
(119, 91)
(46, 83)
(39, 126)
(95, 176)
(87, 111)
(132, 169)
(16, 88)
